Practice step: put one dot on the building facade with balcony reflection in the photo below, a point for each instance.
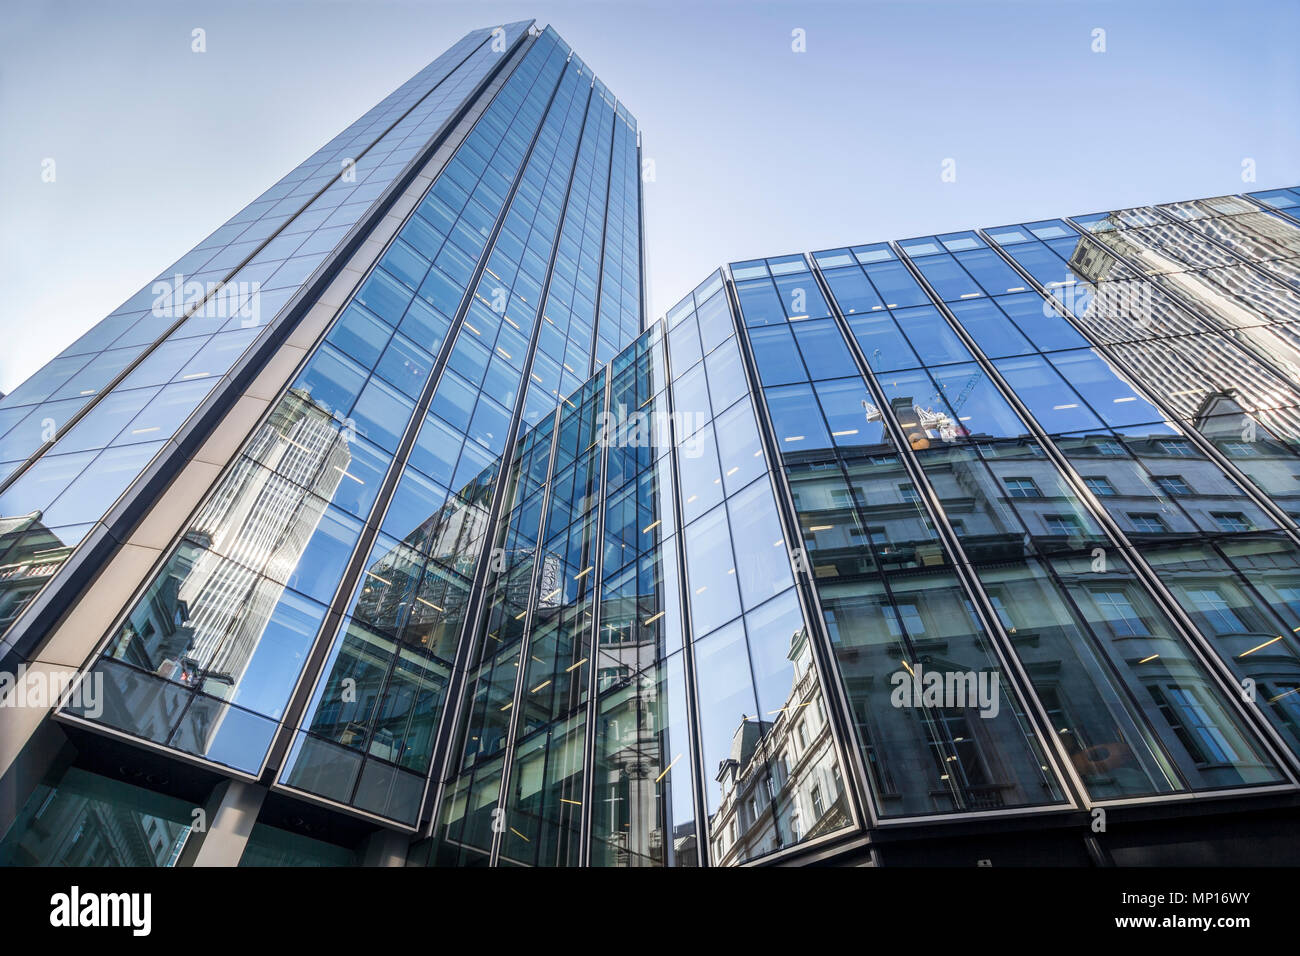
(449, 554)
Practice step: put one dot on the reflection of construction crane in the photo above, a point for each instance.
(921, 424)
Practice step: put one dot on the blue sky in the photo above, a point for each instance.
(757, 149)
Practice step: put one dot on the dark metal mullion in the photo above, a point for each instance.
(856, 509)
(695, 740)
(640, 212)
(1162, 756)
(867, 373)
(589, 743)
(525, 645)
(740, 615)
(793, 521)
(525, 637)
(1199, 644)
(838, 707)
(458, 706)
(598, 589)
(604, 232)
(478, 583)
(475, 604)
(731, 541)
(217, 287)
(978, 599)
(920, 483)
(370, 529)
(530, 611)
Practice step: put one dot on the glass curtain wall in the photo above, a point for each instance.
(1188, 512)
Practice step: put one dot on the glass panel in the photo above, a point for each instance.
(86, 820)
(644, 814)
(271, 846)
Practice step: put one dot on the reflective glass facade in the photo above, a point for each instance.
(974, 529)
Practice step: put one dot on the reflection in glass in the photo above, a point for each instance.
(87, 820)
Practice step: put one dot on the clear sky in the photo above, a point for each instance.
(757, 149)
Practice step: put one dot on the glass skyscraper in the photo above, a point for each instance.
(386, 527)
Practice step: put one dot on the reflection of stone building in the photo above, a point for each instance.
(998, 491)
(781, 783)
(638, 747)
(204, 630)
(1188, 263)
(81, 825)
(1189, 285)
(29, 554)
(634, 808)
(549, 580)
(1008, 505)
(396, 657)
(1267, 460)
